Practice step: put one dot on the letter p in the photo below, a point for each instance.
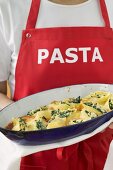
(42, 54)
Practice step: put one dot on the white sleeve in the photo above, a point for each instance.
(5, 59)
(5, 54)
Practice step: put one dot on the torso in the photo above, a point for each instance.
(54, 20)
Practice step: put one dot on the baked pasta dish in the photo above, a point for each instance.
(63, 113)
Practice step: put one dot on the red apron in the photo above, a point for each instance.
(56, 57)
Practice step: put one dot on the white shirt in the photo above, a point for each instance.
(13, 18)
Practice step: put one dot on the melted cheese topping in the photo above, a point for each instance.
(66, 112)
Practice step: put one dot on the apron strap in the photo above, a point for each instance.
(34, 11)
(33, 14)
(105, 13)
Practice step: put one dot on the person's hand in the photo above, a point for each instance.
(4, 101)
(111, 126)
